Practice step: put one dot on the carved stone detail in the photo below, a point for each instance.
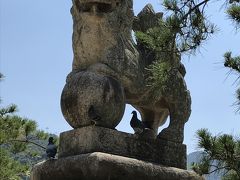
(105, 55)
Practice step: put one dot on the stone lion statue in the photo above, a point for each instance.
(109, 70)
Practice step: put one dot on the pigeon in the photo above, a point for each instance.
(93, 115)
(51, 149)
(136, 124)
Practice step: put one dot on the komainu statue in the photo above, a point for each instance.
(109, 70)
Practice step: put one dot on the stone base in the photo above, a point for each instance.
(102, 166)
(97, 139)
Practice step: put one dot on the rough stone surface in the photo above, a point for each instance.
(102, 166)
(101, 40)
(85, 90)
(97, 139)
(103, 45)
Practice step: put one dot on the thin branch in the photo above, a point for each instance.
(217, 169)
(194, 8)
(27, 141)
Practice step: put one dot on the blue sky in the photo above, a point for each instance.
(36, 56)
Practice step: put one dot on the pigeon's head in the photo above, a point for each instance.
(50, 139)
(134, 113)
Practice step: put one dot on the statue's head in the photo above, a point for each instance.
(119, 11)
(100, 29)
(101, 6)
(134, 113)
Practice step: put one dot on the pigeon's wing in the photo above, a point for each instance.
(51, 150)
(132, 122)
(139, 124)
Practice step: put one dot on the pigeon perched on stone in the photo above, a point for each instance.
(136, 124)
(51, 149)
(92, 114)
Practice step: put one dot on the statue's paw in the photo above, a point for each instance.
(171, 135)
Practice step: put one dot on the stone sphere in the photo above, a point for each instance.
(90, 98)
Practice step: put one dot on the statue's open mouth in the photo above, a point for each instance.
(97, 6)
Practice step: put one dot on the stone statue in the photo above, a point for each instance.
(109, 70)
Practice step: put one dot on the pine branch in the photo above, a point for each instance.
(218, 169)
(194, 8)
(28, 142)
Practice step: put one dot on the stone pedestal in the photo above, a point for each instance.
(97, 139)
(96, 153)
(102, 166)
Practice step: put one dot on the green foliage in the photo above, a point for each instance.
(188, 22)
(10, 127)
(234, 11)
(238, 100)
(161, 76)
(29, 127)
(16, 136)
(17, 147)
(41, 134)
(156, 39)
(234, 64)
(8, 110)
(220, 153)
(185, 27)
(10, 169)
(182, 30)
(14, 127)
(231, 175)
(203, 167)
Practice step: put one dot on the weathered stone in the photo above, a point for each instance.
(86, 91)
(109, 70)
(97, 139)
(103, 45)
(102, 166)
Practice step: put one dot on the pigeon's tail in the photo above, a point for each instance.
(93, 115)
(136, 124)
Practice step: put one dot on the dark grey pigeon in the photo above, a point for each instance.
(136, 124)
(51, 149)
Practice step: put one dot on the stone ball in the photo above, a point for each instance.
(87, 96)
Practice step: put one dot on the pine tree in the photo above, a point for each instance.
(221, 154)
(182, 31)
(15, 136)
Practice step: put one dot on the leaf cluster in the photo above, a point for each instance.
(185, 27)
(220, 153)
(156, 39)
(15, 136)
(14, 127)
(189, 23)
(10, 168)
(233, 11)
(234, 64)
